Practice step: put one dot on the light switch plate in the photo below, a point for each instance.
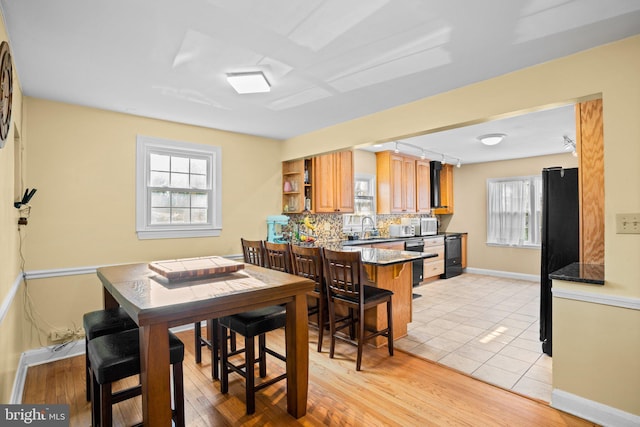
(628, 223)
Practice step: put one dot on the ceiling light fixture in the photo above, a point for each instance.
(443, 161)
(251, 82)
(458, 164)
(570, 144)
(396, 149)
(423, 155)
(492, 138)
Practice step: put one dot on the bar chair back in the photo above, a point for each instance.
(307, 262)
(278, 256)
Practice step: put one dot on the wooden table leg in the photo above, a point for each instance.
(154, 375)
(109, 300)
(297, 341)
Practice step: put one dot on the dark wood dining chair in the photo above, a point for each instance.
(345, 278)
(307, 262)
(278, 256)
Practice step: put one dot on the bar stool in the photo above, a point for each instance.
(250, 324)
(117, 356)
(98, 323)
(346, 285)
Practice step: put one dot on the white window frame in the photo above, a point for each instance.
(145, 146)
(534, 214)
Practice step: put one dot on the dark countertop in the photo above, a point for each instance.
(377, 256)
(581, 273)
(384, 257)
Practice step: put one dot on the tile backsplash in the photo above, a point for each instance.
(329, 226)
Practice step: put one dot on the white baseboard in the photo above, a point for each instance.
(505, 274)
(48, 354)
(592, 411)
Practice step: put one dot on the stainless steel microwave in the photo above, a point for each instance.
(425, 226)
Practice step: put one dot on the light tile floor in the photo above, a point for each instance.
(484, 326)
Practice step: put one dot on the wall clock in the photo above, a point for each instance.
(6, 91)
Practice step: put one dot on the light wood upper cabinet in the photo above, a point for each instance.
(396, 183)
(446, 190)
(423, 186)
(333, 182)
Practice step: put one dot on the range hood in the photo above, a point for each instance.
(435, 168)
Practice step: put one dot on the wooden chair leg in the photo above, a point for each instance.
(197, 332)
(250, 395)
(332, 328)
(213, 336)
(95, 403)
(262, 355)
(224, 356)
(390, 326)
(105, 405)
(361, 338)
(87, 365)
(321, 321)
(178, 394)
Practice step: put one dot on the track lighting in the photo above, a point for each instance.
(423, 153)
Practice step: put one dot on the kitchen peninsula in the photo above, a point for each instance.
(392, 270)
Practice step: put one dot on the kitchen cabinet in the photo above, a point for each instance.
(333, 183)
(433, 267)
(463, 244)
(297, 192)
(446, 190)
(423, 186)
(396, 183)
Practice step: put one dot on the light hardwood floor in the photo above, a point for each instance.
(403, 390)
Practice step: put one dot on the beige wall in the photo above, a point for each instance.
(83, 164)
(612, 72)
(11, 328)
(470, 201)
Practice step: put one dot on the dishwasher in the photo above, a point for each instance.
(415, 245)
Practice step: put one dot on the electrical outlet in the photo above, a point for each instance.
(628, 223)
(60, 334)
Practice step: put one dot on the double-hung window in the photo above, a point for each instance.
(178, 189)
(514, 211)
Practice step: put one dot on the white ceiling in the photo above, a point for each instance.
(327, 61)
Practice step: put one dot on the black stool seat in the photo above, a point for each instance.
(250, 324)
(256, 322)
(117, 356)
(98, 323)
(103, 322)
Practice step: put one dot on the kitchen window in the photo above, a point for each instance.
(514, 211)
(178, 189)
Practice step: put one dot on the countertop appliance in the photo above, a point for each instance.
(398, 230)
(275, 224)
(560, 237)
(427, 226)
(416, 245)
(452, 255)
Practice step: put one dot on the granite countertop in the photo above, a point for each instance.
(377, 256)
(385, 257)
(581, 273)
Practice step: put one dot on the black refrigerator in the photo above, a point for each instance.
(560, 237)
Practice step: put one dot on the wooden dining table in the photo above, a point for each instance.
(157, 304)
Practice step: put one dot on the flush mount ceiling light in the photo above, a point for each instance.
(570, 144)
(251, 82)
(492, 138)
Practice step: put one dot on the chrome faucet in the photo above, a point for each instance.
(373, 227)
